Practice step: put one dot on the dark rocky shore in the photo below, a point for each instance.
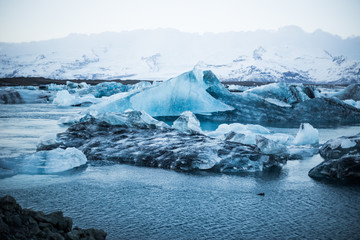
(18, 223)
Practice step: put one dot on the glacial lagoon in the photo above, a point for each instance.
(203, 201)
(131, 202)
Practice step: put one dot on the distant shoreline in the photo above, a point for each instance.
(38, 81)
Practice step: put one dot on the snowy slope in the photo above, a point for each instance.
(287, 54)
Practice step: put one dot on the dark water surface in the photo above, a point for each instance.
(131, 202)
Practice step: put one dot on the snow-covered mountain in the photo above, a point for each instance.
(288, 54)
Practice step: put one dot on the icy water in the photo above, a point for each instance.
(131, 202)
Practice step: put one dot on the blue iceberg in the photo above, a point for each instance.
(186, 92)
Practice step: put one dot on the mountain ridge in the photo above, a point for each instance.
(289, 54)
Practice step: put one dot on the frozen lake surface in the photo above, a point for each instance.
(131, 202)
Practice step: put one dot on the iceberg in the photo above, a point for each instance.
(136, 138)
(341, 160)
(252, 108)
(186, 92)
(278, 105)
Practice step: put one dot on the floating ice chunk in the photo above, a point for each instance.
(281, 138)
(83, 85)
(55, 87)
(142, 85)
(65, 99)
(71, 85)
(186, 92)
(271, 147)
(187, 123)
(347, 143)
(53, 161)
(237, 88)
(353, 103)
(238, 132)
(18, 96)
(69, 120)
(307, 135)
(105, 89)
(301, 152)
(345, 169)
(350, 92)
(238, 127)
(336, 148)
(342, 160)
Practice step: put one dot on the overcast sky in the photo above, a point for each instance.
(31, 20)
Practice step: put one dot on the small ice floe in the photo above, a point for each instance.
(52, 161)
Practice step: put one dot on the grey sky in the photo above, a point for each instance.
(29, 20)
